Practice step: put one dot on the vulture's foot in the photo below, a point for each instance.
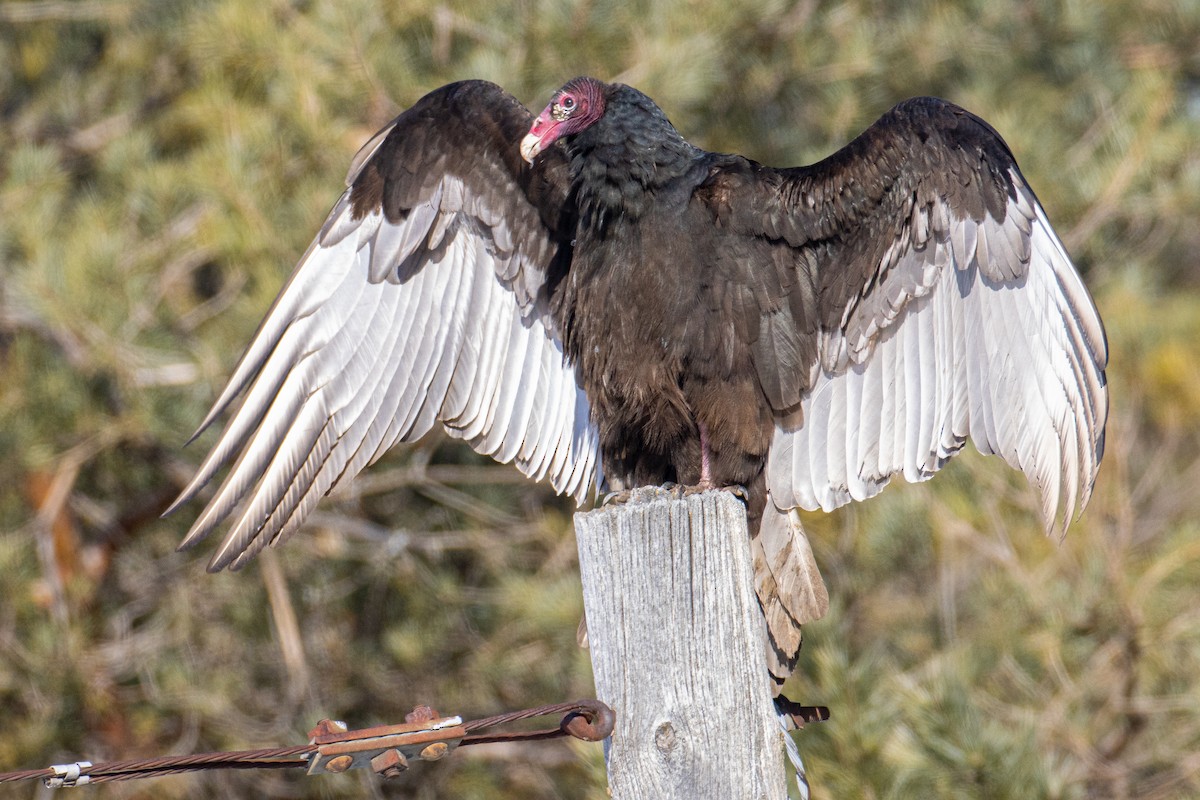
(704, 486)
(634, 495)
(676, 490)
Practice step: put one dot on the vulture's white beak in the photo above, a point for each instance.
(531, 145)
(544, 132)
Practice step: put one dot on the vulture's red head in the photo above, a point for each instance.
(573, 108)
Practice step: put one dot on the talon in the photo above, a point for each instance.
(617, 498)
(740, 492)
(677, 490)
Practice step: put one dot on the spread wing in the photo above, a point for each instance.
(946, 306)
(420, 301)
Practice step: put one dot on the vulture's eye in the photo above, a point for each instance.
(563, 107)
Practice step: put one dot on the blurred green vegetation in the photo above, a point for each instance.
(163, 164)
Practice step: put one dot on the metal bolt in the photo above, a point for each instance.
(435, 751)
(339, 763)
(327, 727)
(389, 764)
(421, 714)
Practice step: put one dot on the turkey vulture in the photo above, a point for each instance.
(592, 298)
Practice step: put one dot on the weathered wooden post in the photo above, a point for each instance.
(677, 645)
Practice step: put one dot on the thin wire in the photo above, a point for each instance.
(590, 720)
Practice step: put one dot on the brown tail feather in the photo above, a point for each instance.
(789, 586)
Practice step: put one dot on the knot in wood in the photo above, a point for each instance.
(665, 739)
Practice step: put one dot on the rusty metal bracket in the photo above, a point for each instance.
(386, 749)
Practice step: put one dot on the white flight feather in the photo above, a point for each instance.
(986, 331)
(378, 335)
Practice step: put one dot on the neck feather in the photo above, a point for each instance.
(632, 154)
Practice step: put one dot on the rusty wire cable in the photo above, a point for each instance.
(589, 720)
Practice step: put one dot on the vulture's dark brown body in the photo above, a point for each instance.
(676, 356)
(588, 289)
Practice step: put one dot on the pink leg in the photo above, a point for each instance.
(705, 460)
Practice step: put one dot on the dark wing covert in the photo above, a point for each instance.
(948, 308)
